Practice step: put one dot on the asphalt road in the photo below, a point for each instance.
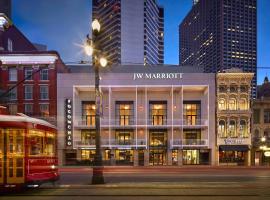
(157, 183)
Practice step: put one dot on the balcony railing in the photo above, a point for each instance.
(105, 122)
(189, 142)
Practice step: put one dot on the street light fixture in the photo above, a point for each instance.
(98, 60)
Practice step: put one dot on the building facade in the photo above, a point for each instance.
(132, 31)
(261, 125)
(150, 116)
(220, 34)
(234, 117)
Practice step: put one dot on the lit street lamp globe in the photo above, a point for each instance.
(103, 62)
(96, 25)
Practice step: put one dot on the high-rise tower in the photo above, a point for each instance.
(220, 34)
(132, 31)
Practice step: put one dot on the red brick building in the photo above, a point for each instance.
(28, 77)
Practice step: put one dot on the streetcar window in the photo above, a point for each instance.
(1, 143)
(50, 144)
(36, 143)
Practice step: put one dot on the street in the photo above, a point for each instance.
(156, 183)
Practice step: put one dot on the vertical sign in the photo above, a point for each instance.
(68, 122)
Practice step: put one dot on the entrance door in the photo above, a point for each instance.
(1, 156)
(15, 156)
(157, 157)
(141, 158)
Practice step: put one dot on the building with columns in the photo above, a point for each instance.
(151, 115)
(233, 88)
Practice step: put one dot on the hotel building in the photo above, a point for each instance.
(219, 35)
(131, 31)
(150, 116)
(234, 117)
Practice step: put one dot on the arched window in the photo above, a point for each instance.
(232, 104)
(243, 128)
(243, 104)
(267, 133)
(222, 104)
(232, 129)
(222, 128)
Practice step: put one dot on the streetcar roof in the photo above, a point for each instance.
(24, 118)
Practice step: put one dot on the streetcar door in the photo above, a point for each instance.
(1, 156)
(15, 156)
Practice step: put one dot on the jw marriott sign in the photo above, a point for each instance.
(157, 76)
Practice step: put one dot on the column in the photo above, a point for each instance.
(135, 157)
(146, 157)
(180, 157)
(169, 154)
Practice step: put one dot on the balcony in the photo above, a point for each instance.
(189, 143)
(85, 144)
(196, 122)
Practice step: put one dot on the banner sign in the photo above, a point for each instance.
(69, 134)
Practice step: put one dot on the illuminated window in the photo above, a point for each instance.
(88, 137)
(50, 144)
(89, 113)
(232, 129)
(88, 155)
(232, 104)
(222, 104)
(124, 137)
(242, 104)
(243, 128)
(222, 128)
(124, 113)
(158, 113)
(36, 145)
(192, 112)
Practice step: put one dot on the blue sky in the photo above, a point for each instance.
(63, 24)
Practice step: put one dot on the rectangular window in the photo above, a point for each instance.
(13, 109)
(124, 113)
(44, 92)
(88, 137)
(124, 137)
(192, 137)
(28, 109)
(50, 144)
(192, 112)
(28, 74)
(13, 93)
(256, 116)
(28, 92)
(88, 113)
(44, 110)
(44, 74)
(157, 138)
(36, 145)
(12, 72)
(158, 113)
(267, 116)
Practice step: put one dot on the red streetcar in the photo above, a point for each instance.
(27, 151)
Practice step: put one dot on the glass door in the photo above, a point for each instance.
(15, 156)
(157, 157)
(1, 156)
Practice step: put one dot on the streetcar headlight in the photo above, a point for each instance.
(53, 167)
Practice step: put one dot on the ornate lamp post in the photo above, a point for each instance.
(92, 49)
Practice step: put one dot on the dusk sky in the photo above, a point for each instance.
(63, 24)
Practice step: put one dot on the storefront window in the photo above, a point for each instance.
(243, 129)
(157, 157)
(88, 113)
(124, 157)
(222, 104)
(36, 139)
(192, 112)
(222, 128)
(88, 155)
(232, 104)
(124, 113)
(158, 113)
(192, 137)
(174, 156)
(237, 157)
(232, 129)
(191, 157)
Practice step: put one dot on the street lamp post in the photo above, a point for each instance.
(98, 60)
